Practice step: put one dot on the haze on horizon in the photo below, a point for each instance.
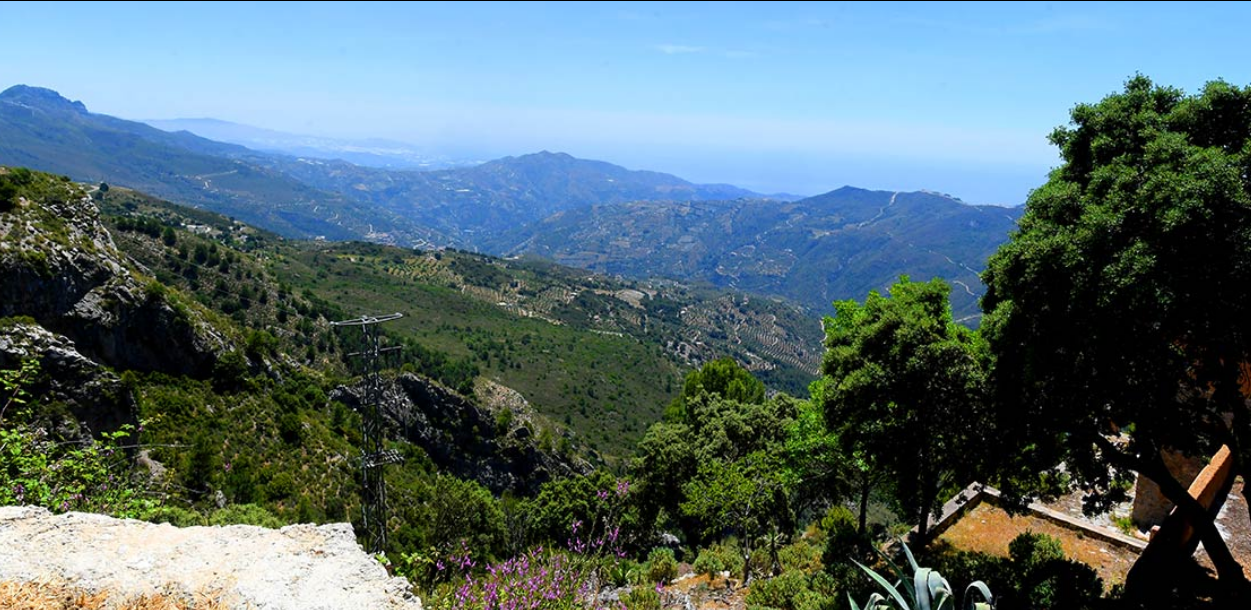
(793, 97)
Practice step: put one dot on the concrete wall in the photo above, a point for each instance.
(1150, 506)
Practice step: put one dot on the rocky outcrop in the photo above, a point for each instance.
(59, 266)
(299, 567)
(464, 438)
(92, 393)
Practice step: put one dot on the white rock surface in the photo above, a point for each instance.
(299, 567)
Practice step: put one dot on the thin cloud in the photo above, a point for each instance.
(678, 49)
(1063, 24)
(787, 25)
(1058, 24)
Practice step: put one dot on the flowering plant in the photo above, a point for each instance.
(551, 579)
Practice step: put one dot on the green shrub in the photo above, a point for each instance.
(720, 557)
(761, 562)
(504, 420)
(778, 592)
(1029, 551)
(230, 371)
(642, 598)
(1037, 575)
(623, 573)
(280, 487)
(245, 514)
(801, 555)
(1046, 579)
(291, 429)
(174, 515)
(843, 547)
(39, 468)
(11, 183)
(661, 566)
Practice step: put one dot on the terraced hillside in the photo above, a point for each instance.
(597, 355)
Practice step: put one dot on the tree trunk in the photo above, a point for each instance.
(775, 564)
(746, 562)
(864, 503)
(923, 521)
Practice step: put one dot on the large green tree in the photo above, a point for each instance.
(748, 495)
(905, 392)
(1119, 313)
(720, 418)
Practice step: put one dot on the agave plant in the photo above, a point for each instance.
(927, 590)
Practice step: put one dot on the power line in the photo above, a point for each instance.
(373, 454)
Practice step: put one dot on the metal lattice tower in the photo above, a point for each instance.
(373, 454)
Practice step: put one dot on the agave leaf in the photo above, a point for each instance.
(852, 601)
(982, 589)
(894, 592)
(909, 586)
(920, 585)
(912, 561)
(937, 583)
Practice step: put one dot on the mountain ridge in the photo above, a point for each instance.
(44, 131)
(836, 245)
(370, 152)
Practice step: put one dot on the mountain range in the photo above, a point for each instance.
(585, 213)
(834, 246)
(372, 152)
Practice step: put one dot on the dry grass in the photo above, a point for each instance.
(988, 529)
(63, 596)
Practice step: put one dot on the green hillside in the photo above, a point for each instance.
(835, 246)
(472, 205)
(42, 130)
(597, 355)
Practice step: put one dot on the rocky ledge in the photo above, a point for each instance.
(304, 567)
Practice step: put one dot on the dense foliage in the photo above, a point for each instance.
(905, 381)
(40, 468)
(1121, 305)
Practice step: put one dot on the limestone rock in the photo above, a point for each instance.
(299, 567)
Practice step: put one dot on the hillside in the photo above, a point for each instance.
(578, 212)
(838, 245)
(171, 323)
(369, 153)
(42, 130)
(309, 196)
(471, 205)
(594, 354)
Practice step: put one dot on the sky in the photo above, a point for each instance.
(776, 97)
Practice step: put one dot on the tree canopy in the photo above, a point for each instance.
(1119, 313)
(904, 384)
(722, 377)
(691, 468)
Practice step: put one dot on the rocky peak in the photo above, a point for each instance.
(40, 98)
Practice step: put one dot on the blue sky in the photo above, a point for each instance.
(803, 97)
